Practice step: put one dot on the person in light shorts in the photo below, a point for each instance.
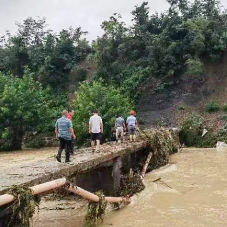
(120, 127)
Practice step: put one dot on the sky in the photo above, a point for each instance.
(61, 14)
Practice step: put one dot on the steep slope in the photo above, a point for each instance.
(172, 102)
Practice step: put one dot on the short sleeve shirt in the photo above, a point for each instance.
(120, 122)
(64, 125)
(131, 121)
(95, 121)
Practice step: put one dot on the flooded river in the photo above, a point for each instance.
(189, 192)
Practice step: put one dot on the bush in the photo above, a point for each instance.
(181, 107)
(212, 107)
(223, 118)
(225, 107)
(191, 133)
(191, 130)
(108, 100)
(24, 107)
(81, 74)
(194, 67)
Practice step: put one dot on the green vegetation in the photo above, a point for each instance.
(24, 107)
(23, 208)
(165, 45)
(212, 107)
(96, 211)
(108, 100)
(191, 133)
(159, 46)
(225, 107)
(181, 107)
(191, 130)
(48, 55)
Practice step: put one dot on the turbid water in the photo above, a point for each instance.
(190, 192)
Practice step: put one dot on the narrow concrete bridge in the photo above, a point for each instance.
(38, 166)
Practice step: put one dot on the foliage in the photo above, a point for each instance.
(191, 133)
(225, 107)
(24, 107)
(42, 139)
(212, 107)
(108, 100)
(191, 130)
(194, 67)
(181, 107)
(164, 45)
(23, 208)
(162, 143)
(81, 74)
(130, 185)
(96, 211)
(50, 56)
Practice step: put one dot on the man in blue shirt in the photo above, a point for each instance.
(131, 123)
(64, 132)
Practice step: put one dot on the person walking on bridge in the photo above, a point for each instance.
(64, 132)
(120, 127)
(96, 130)
(132, 123)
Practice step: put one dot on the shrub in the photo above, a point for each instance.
(223, 117)
(194, 67)
(191, 133)
(181, 107)
(225, 107)
(191, 130)
(212, 107)
(24, 107)
(81, 74)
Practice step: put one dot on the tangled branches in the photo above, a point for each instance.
(23, 207)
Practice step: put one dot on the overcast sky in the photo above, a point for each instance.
(59, 14)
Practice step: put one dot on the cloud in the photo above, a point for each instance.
(61, 14)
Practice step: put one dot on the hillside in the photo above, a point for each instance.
(170, 104)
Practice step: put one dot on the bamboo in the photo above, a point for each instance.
(38, 189)
(91, 196)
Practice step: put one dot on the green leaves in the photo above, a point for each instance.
(24, 107)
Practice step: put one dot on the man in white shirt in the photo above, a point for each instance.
(95, 129)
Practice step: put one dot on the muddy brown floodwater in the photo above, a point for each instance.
(189, 192)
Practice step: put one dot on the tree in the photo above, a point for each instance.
(24, 107)
(108, 100)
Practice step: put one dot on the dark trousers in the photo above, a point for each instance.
(73, 142)
(64, 144)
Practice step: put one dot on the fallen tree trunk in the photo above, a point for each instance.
(38, 189)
